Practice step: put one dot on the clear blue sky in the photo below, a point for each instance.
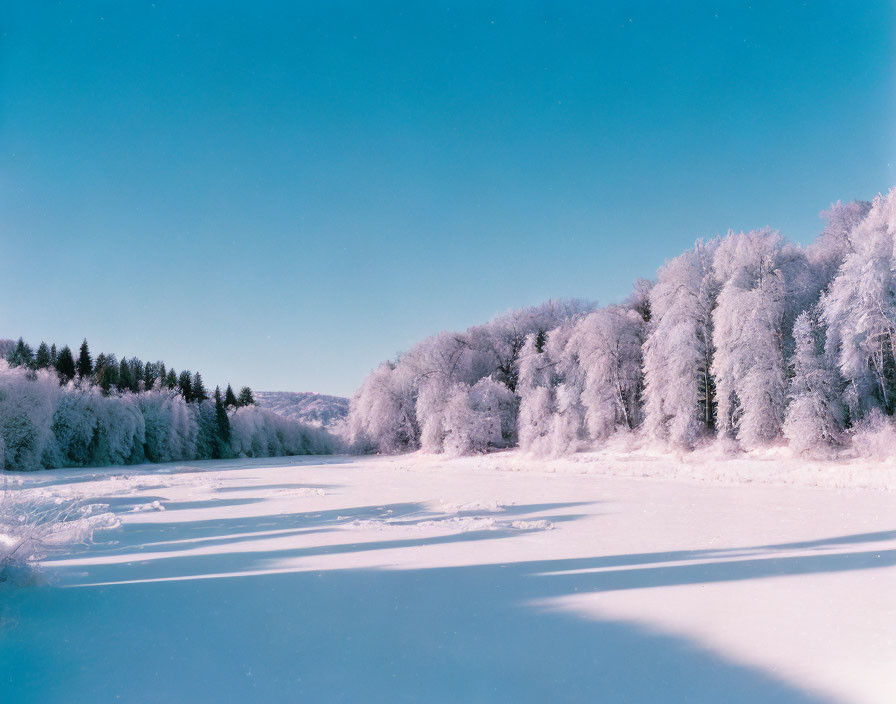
(283, 194)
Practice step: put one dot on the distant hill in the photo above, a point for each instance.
(306, 406)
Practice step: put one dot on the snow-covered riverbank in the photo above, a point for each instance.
(479, 579)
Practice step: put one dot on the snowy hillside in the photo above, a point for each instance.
(306, 407)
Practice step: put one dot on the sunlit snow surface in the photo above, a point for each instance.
(499, 579)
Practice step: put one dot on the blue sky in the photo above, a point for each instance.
(283, 194)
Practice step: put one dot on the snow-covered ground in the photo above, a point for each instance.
(496, 579)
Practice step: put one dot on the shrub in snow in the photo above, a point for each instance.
(31, 525)
(874, 437)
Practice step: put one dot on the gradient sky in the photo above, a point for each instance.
(284, 194)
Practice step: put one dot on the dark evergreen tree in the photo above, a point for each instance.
(163, 375)
(85, 363)
(137, 372)
(53, 355)
(43, 360)
(199, 392)
(101, 375)
(246, 398)
(21, 355)
(124, 376)
(65, 365)
(150, 374)
(171, 379)
(222, 423)
(185, 386)
(230, 398)
(112, 371)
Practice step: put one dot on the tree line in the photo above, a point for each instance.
(58, 411)
(108, 373)
(747, 338)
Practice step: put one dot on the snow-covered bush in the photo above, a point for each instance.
(32, 524)
(874, 437)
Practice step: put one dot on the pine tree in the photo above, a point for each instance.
(43, 359)
(230, 398)
(124, 376)
(137, 372)
(150, 374)
(21, 355)
(199, 392)
(65, 365)
(163, 375)
(246, 398)
(171, 379)
(222, 423)
(185, 386)
(85, 363)
(53, 355)
(101, 372)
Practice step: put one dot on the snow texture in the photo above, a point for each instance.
(501, 577)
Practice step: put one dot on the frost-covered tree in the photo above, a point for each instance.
(678, 386)
(859, 310)
(763, 284)
(538, 378)
(415, 389)
(381, 415)
(27, 404)
(478, 418)
(608, 345)
(814, 418)
(836, 241)
(584, 383)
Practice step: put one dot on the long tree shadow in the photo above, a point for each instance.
(140, 540)
(460, 634)
(239, 626)
(76, 475)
